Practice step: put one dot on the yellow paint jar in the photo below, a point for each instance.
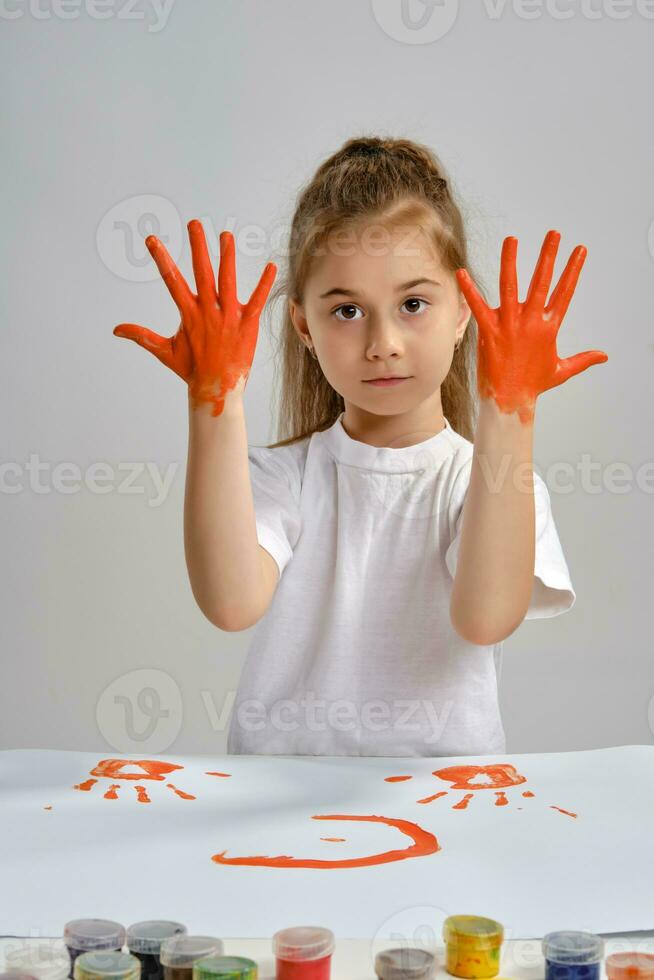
(472, 946)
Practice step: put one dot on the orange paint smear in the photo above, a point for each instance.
(86, 786)
(430, 799)
(180, 793)
(568, 813)
(424, 843)
(463, 804)
(396, 779)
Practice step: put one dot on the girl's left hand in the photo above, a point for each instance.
(516, 351)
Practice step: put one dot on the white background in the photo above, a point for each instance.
(222, 111)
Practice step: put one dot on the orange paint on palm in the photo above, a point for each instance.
(423, 843)
(516, 352)
(214, 346)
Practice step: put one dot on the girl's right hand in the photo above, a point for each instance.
(214, 346)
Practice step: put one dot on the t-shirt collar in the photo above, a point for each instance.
(385, 458)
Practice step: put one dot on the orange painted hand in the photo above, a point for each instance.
(516, 351)
(214, 346)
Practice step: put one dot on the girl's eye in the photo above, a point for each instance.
(416, 299)
(346, 306)
(351, 306)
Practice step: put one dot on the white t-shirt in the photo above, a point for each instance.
(356, 655)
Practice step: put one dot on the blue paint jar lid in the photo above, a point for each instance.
(573, 947)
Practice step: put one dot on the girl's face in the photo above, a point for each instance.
(380, 304)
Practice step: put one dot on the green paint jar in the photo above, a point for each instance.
(225, 968)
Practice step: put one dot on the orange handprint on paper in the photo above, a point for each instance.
(498, 777)
(150, 769)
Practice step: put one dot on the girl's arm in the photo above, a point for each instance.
(517, 360)
(213, 351)
(495, 567)
(225, 562)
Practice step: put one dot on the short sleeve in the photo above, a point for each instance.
(275, 492)
(553, 592)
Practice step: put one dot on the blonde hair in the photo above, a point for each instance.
(394, 182)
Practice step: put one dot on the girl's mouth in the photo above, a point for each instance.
(384, 382)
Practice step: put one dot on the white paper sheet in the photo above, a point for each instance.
(545, 841)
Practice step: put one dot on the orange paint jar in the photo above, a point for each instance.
(472, 946)
(631, 965)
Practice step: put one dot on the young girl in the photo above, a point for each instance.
(389, 546)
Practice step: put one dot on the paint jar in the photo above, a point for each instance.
(43, 960)
(144, 939)
(179, 953)
(85, 935)
(107, 964)
(303, 953)
(405, 963)
(630, 966)
(571, 955)
(225, 968)
(473, 945)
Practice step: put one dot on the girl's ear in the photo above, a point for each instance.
(299, 319)
(464, 316)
